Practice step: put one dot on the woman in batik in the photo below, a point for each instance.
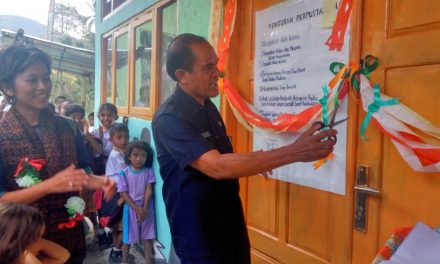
(43, 159)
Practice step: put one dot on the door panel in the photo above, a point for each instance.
(405, 36)
(287, 223)
(263, 209)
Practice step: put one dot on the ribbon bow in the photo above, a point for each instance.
(72, 222)
(34, 163)
(75, 208)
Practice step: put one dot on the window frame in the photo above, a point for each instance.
(112, 9)
(153, 14)
(136, 110)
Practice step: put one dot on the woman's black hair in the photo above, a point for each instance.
(51, 107)
(143, 145)
(14, 59)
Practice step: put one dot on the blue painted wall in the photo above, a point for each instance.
(193, 17)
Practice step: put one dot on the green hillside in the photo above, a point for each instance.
(31, 27)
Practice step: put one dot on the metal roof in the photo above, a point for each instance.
(65, 58)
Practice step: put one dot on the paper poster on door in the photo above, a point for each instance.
(291, 66)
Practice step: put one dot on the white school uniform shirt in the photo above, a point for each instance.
(107, 145)
(115, 164)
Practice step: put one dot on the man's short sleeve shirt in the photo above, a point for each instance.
(204, 210)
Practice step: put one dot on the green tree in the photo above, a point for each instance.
(71, 87)
(71, 28)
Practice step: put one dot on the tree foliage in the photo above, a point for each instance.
(71, 87)
(72, 28)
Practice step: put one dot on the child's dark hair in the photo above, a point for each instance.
(20, 227)
(60, 97)
(109, 107)
(91, 114)
(118, 128)
(143, 145)
(74, 108)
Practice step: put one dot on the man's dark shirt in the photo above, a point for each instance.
(205, 215)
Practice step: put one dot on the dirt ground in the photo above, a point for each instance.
(95, 256)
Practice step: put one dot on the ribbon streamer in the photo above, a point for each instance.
(228, 28)
(323, 102)
(419, 155)
(336, 39)
(374, 107)
(390, 120)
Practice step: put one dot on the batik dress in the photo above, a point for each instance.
(54, 140)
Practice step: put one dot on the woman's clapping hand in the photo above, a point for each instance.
(68, 180)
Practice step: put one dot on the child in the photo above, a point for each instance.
(119, 136)
(22, 227)
(64, 106)
(107, 115)
(58, 101)
(136, 187)
(77, 113)
(91, 119)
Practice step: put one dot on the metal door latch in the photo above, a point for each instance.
(362, 191)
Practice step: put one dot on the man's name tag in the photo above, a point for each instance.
(206, 134)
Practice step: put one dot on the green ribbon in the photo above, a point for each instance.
(374, 107)
(368, 65)
(30, 172)
(323, 102)
(336, 67)
(71, 212)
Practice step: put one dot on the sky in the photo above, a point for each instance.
(37, 9)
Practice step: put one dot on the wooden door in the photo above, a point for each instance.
(287, 223)
(405, 36)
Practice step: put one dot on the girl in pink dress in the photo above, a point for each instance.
(136, 186)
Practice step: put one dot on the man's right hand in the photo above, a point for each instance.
(313, 145)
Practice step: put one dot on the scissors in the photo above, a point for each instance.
(332, 123)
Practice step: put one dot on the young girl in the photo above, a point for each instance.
(22, 227)
(107, 115)
(136, 187)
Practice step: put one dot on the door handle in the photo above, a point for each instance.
(367, 190)
(361, 202)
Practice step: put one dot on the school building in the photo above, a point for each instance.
(344, 210)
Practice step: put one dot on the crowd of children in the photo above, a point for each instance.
(129, 214)
(129, 165)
